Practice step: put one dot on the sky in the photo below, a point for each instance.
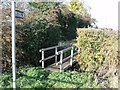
(105, 12)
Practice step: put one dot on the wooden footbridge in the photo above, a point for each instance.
(61, 62)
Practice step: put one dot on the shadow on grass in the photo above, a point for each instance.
(45, 78)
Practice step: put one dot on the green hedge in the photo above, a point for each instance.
(98, 51)
(97, 48)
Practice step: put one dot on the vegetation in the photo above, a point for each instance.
(45, 24)
(98, 52)
(38, 78)
(36, 35)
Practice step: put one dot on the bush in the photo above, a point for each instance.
(37, 34)
(98, 51)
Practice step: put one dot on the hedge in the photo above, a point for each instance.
(98, 51)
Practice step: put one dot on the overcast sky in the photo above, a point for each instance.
(105, 11)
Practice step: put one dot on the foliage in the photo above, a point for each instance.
(98, 51)
(6, 32)
(61, 14)
(73, 80)
(68, 23)
(58, 13)
(82, 14)
(36, 77)
(45, 24)
(42, 8)
(36, 35)
(45, 29)
(77, 7)
(84, 21)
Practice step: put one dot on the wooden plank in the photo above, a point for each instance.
(54, 66)
(51, 69)
(67, 65)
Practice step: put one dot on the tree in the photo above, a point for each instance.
(57, 13)
(83, 17)
(77, 7)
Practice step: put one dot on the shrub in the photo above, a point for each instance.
(35, 35)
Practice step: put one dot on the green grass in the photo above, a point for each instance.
(35, 77)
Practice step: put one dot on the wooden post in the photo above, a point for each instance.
(42, 59)
(61, 57)
(56, 55)
(71, 59)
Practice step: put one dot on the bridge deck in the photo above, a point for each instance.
(56, 68)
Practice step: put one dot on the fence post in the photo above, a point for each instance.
(61, 57)
(42, 59)
(71, 59)
(56, 55)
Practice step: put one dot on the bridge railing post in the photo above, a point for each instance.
(78, 50)
(61, 57)
(71, 59)
(43, 59)
(56, 55)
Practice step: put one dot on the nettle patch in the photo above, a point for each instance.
(36, 77)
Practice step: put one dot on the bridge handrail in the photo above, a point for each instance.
(58, 63)
(50, 57)
(66, 49)
(62, 59)
(49, 48)
(59, 52)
